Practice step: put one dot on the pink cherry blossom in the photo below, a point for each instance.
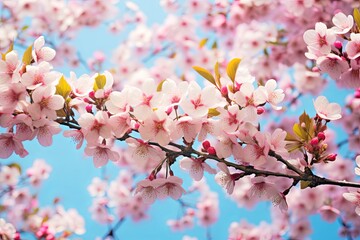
(147, 190)
(143, 155)
(45, 129)
(224, 178)
(76, 135)
(354, 197)
(353, 46)
(196, 167)
(198, 102)
(268, 191)
(329, 213)
(321, 38)
(11, 144)
(102, 153)
(97, 187)
(7, 230)
(45, 103)
(41, 53)
(40, 75)
(157, 127)
(170, 187)
(39, 171)
(9, 69)
(96, 126)
(273, 96)
(332, 65)
(326, 110)
(9, 175)
(357, 169)
(342, 23)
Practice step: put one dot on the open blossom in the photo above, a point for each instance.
(333, 65)
(326, 110)
(357, 169)
(354, 197)
(10, 143)
(268, 191)
(41, 53)
(146, 189)
(96, 126)
(9, 69)
(102, 153)
(170, 187)
(196, 167)
(9, 175)
(343, 23)
(198, 101)
(7, 230)
(321, 38)
(273, 96)
(353, 46)
(224, 178)
(39, 75)
(39, 171)
(46, 102)
(157, 127)
(97, 187)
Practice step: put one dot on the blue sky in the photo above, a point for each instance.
(72, 172)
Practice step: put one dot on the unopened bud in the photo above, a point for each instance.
(206, 144)
(211, 151)
(89, 108)
(224, 90)
(357, 94)
(260, 110)
(17, 236)
(169, 110)
(152, 176)
(315, 69)
(314, 141)
(331, 157)
(321, 136)
(92, 94)
(136, 126)
(50, 237)
(338, 44)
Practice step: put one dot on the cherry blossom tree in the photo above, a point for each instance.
(211, 93)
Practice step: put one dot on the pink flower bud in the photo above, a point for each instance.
(211, 151)
(321, 136)
(315, 69)
(89, 108)
(357, 94)
(169, 110)
(206, 144)
(260, 110)
(152, 176)
(338, 44)
(99, 56)
(137, 125)
(314, 141)
(92, 94)
(331, 157)
(50, 237)
(224, 90)
(39, 234)
(17, 236)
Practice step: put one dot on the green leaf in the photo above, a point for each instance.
(356, 14)
(213, 112)
(232, 67)
(217, 75)
(299, 131)
(100, 82)
(27, 57)
(11, 47)
(63, 88)
(15, 165)
(205, 74)
(159, 87)
(203, 42)
(214, 45)
(304, 184)
(24, 28)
